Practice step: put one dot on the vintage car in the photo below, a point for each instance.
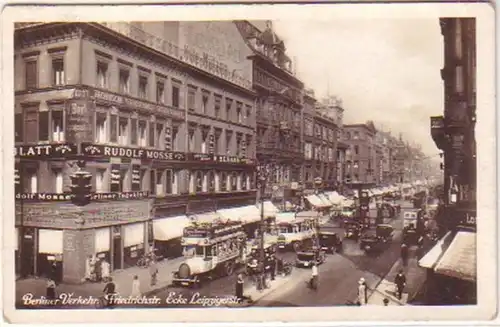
(378, 239)
(352, 229)
(308, 257)
(329, 241)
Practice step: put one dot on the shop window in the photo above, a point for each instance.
(101, 127)
(229, 105)
(100, 180)
(211, 181)
(160, 92)
(102, 74)
(199, 182)
(58, 177)
(142, 131)
(223, 182)
(18, 127)
(191, 98)
(217, 105)
(133, 131)
(204, 102)
(123, 131)
(113, 128)
(143, 87)
(175, 96)
(124, 80)
(58, 76)
(31, 74)
(152, 134)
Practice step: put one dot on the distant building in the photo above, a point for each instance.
(361, 153)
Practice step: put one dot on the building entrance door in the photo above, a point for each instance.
(27, 256)
(117, 249)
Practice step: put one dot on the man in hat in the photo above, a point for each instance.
(400, 281)
(362, 293)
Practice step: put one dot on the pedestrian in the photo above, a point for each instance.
(109, 293)
(400, 281)
(51, 289)
(98, 270)
(314, 276)
(153, 272)
(105, 270)
(239, 288)
(362, 293)
(273, 267)
(53, 272)
(136, 287)
(404, 254)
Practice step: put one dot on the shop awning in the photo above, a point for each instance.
(459, 260)
(315, 201)
(430, 259)
(251, 214)
(335, 198)
(325, 199)
(234, 214)
(285, 217)
(306, 215)
(270, 209)
(165, 229)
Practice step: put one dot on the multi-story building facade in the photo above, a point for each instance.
(165, 127)
(360, 155)
(452, 277)
(308, 139)
(279, 107)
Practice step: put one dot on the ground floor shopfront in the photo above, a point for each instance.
(58, 239)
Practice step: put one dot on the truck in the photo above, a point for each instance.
(413, 226)
(211, 250)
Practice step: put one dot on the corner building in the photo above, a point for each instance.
(166, 129)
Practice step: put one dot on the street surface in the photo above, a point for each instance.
(338, 277)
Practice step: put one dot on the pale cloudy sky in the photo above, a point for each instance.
(384, 70)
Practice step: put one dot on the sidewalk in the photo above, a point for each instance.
(122, 279)
(415, 278)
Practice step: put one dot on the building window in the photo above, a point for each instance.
(175, 96)
(223, 182)
(152, 134)
(356, 149)
(30, 179)
(191, 98)
(99, 180)
(18, 127)
(152, 182)
(211, 181)
(234, 182)
(113, 128)
(31, 75)
(160, 92)
(175, 136)
(217, 105)
(239, 112)
(217, 140)
(244, 181)
(355, 164)
(204, 142)
(102, 74)
(356, 135)
(124, 81)
(143, 87)
(169, 181)
(58, 77)
(133, 131)
(229, 137)
(248, 114)
(122, 131)
(142, 131)
(199, 182)
(191, 140)
(59, 186)
(101, 127)
(229, 104)
(160, 188)
(459, 76)
(43, 126)
(204, 102)
(238, 145)
(57, 125)
(160, 137)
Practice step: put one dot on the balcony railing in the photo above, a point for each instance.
(204, 62)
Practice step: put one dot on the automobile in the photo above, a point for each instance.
(329, 241)
(376, 240)
(352, 230)
(310, 256)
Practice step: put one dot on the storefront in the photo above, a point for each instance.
(316, 203)
(167, 233)
(58, 238)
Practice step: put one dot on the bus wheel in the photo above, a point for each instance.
(229, 269)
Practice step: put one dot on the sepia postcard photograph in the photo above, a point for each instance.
(249, 163)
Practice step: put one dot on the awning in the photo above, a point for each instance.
(335, 198)
(270, 209)
(325, 199)
(251, 214)
(459, 260)
(234, 214)
(102, 240)
(205, 217)
(285, 217)
(430, 259)
(133, 234)
(50, 241)
(306, 215)
(315, 201)
(165, 229)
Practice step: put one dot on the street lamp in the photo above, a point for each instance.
(263, 174)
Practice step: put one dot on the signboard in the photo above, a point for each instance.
(65, 197)
(42, 151)
(195, 232)
(437, 122)
(149, 107)
(78, 121)
(466, 217)
(91, 149)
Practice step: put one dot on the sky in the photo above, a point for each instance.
(386, 70)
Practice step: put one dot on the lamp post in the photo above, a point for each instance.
(263, 173)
